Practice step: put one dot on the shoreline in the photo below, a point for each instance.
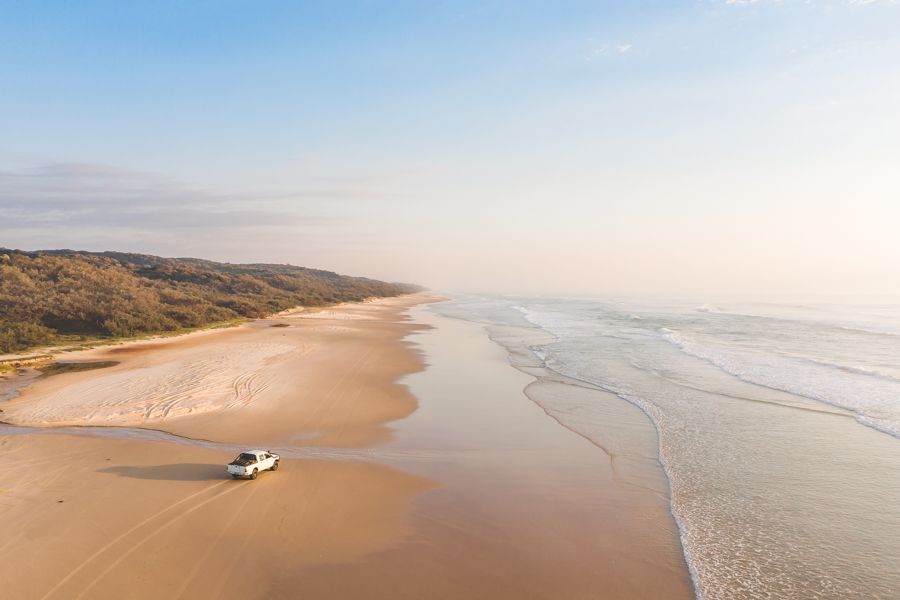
(396, 477)
(744, 461)
(663, 467)
(521, 357)
(629, 463)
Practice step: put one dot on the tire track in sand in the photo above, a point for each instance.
(192, 574)
(152, 535)
(118, 538)
(251, 532)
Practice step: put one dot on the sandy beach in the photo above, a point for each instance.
(413, 466)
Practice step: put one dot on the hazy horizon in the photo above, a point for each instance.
(572, 148)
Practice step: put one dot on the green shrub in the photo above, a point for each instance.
(21, 336)
(47, 294)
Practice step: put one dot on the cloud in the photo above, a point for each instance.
(65, 195)
(603, 51)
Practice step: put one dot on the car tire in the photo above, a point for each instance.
(254, 474)
(275, 466)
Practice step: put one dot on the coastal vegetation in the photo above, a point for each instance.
(61, 296)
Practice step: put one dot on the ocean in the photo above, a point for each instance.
(778, 426)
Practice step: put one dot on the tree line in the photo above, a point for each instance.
(47, 296)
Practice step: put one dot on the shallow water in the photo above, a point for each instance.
(778, 427)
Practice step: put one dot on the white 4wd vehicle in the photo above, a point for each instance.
(250, 462)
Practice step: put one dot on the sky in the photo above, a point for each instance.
(552, 147)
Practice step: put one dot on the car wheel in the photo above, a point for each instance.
(253, 474)
(275, 466)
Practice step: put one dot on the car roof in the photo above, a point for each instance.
(255, 451)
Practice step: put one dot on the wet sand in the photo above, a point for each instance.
(446, 482)
(526, 508)
(100, 518)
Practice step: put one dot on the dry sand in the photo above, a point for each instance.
(476, 495)
(318, 380)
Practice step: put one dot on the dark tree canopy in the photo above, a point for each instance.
(53, 293)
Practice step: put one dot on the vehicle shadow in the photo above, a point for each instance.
(173, 472)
